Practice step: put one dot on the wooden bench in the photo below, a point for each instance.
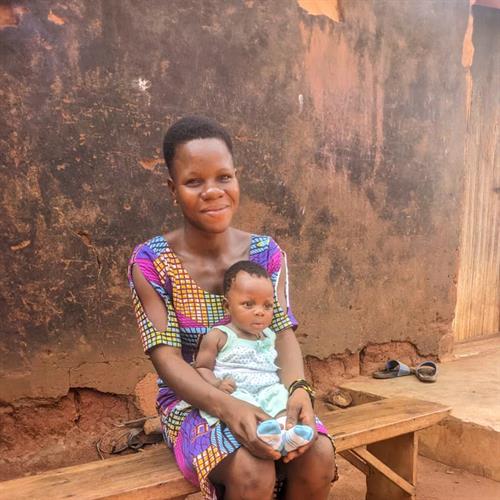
(378, 438)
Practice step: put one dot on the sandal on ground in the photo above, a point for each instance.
(339, 398)
(122, 438)
(393, 368)
(426, 371)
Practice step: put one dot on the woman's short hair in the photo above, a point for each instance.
(248, 267)
(188, 129)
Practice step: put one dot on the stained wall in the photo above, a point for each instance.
(349, 137)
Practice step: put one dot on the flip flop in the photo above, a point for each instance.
(339, 398)
(426, 371)
(393, 368)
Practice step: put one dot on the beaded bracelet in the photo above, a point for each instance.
(302, 384)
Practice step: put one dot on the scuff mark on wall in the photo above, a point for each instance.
(467, 58)
(142, 84)
(20, 246)
(87, 241)
(330, 9)
(10, 16)
(150, 163)
(53, 18)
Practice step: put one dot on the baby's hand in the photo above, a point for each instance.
(227, 385)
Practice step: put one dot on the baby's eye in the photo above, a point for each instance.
(248, 304)
(268, 307)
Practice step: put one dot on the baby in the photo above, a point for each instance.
(240, 358)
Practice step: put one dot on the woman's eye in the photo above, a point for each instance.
(225, 178)
(193, 182)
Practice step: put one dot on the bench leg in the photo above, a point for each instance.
(399, 455)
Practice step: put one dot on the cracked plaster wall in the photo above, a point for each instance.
(349, 138)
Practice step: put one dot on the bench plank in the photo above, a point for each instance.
(153, 475)
(372, 422)
(148, 475)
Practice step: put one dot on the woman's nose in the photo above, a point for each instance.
(212, 192)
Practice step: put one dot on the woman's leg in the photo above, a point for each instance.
(245, 477)
(311, 474)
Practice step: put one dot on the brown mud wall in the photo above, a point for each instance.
(349, 133)
(38, 435)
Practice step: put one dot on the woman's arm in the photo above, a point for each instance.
(290, 361)
(289, 353)
(168, 360)
(290, 358)
(240, 417)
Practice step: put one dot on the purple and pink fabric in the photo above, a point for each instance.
(191, 312)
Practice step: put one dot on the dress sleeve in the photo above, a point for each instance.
(147, 260)
(277, 268)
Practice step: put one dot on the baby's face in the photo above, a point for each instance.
(250, 303)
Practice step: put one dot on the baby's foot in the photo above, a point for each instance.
(297, 436)
(271, 433)
(294, 438)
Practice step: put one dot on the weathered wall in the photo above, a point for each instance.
(349, 137)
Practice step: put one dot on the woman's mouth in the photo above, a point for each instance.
(214, 210)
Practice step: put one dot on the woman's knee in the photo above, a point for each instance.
(247, 477)
(317, 464)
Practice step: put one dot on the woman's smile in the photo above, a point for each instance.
(215, 210)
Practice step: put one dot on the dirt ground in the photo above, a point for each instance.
(435, 481)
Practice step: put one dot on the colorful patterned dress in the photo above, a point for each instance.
(192, 311)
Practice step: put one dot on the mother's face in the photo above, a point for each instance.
(204, 184)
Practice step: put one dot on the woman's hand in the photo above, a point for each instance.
(242, 419)
(300, 411)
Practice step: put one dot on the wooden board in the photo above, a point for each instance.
(153, 474)
(365, 424)
(394, 471)
(148, 475)
(477, 311)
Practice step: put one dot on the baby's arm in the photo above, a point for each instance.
(211, 344)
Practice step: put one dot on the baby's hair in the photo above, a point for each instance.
(188, 129)
(243, 265)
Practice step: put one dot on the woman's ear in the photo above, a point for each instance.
(171, 188)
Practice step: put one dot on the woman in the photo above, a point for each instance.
(176, 282)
